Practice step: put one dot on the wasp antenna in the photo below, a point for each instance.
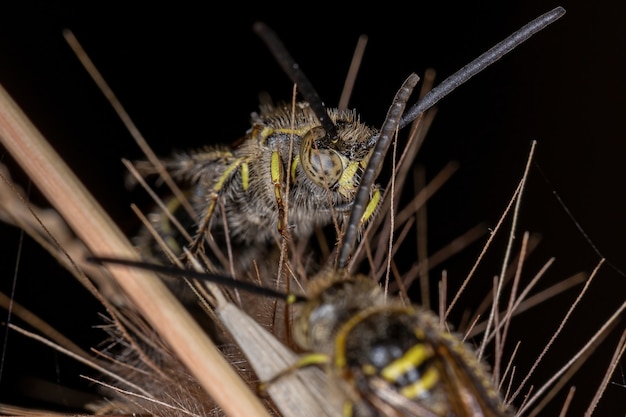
(293, 70)
(390, 125)
(480, 63)
(204, 276)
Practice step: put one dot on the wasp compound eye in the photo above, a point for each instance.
(322, 165)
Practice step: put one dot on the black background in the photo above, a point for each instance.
(190, 76)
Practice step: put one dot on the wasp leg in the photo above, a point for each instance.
(311, 359)
(204, 228)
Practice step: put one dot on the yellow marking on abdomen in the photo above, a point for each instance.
(413, 358)
(426, 383)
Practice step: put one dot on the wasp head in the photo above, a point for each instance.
(337, 163)
(333, 299)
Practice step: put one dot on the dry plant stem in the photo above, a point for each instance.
(15, 210)
(157, 237)
(51, 232)
(486, 303)
(124, 116)
(143, 397)
(568, 401)
(406, 162)
(507, 255)
(427, 192)
(402, 293)
(157, 200)
(558, 330)
(422, 241)
(566, 376)
(78, 358)
(511, 368)
(508, 388)
(417, 135)
(41, 325)
(487, 245)
(498, 339)
(346, 252)
(285, 220)
(443, 295)
(515, 286)
(480, 256)
(54, 234)
(550, 292)
(470, 328)
(303, 393)
(229, 251)
(90, 222)
(408, 212)
(445, 253)
(609, 323)
(500, 344)
(522, 303)
(392, 213)
(167, 212)
(12, 410)
(523, 404)
(355, 64)
(619, 351)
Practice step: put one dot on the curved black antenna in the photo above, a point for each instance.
(389, 128)
(188, 273)
(480, 63)
(429, 100)
(293, 70)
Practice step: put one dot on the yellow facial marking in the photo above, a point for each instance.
(265, 133)
(347, 184)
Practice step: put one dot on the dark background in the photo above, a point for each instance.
(189, 77)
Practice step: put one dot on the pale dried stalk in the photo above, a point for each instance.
(38, 323)
(81, 359)
(303, 393)
(94, 227)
